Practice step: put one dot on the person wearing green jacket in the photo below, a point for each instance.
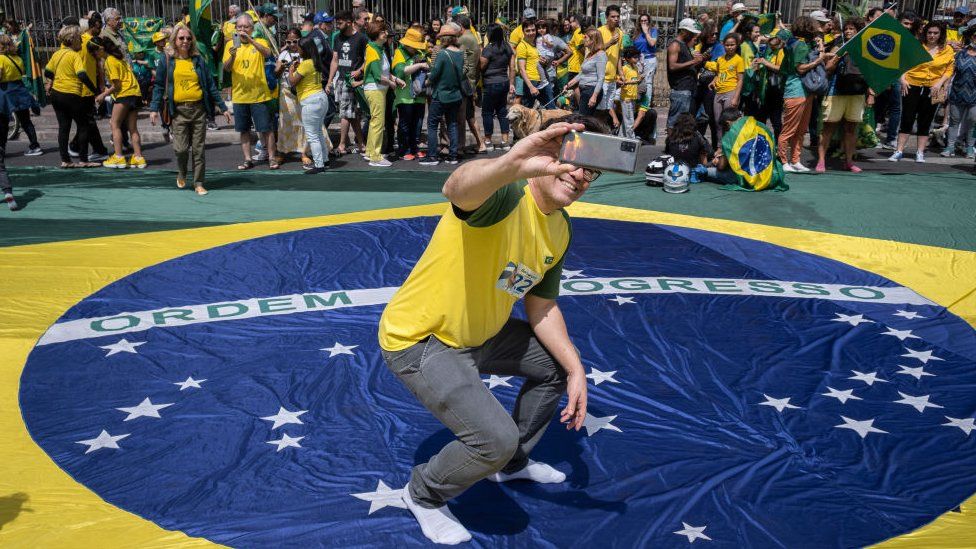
(446, 80)
(408, 61)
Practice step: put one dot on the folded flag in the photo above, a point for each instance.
(750, 148)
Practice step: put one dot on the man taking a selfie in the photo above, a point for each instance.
(503, 239)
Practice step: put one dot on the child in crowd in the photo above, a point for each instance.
(630, 79)
(686, 145)
(728, 80)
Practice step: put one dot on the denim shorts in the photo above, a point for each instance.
(257, 114)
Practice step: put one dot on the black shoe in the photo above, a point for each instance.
(314, 171)
(452, 160)
(429, 161)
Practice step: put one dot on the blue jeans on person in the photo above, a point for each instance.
(494, 103)
(544, 97)
(408, 131)
(450, 112)
(586, 92)
(314, 111)
(680, 104)
(894, 112)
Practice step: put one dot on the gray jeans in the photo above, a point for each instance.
(961, 119)
(447, 381)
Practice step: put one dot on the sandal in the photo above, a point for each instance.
(339, 151)
(273, 165)
(247, 165)
(89, 164)
(180, 183)
(68, 165)
(200, 190)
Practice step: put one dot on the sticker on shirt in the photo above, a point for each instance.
(517, 279)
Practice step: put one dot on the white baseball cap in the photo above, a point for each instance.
(689, 25)
(819, 16)
(739, 7)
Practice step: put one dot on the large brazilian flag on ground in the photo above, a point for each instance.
(750, 149)
(884, 50)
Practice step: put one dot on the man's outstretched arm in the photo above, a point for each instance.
(549, 326)
(535, 155)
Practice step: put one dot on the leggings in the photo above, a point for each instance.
(68, 108)
(24, 119)
(917, 104)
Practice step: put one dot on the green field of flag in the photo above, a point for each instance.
(884, 50)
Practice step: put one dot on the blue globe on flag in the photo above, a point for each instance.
(881, 46)
(755, 155)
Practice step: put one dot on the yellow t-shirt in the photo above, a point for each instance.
(927, 74)
(576, 46)
(66, 64)
(531, 55)
(613, 52)
(91, 64)
(11, 68)
(777, 58)
(516, 36)
(249, 85)
(118, 70)
(952, 35)
(628, 91)
(727, 72)
(186, 82)
(311, 82)
(464, 286)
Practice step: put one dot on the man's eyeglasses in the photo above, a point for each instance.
(591, 175)
(291, 42)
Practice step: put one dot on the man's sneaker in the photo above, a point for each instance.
(800, 168)
(948, 152)
(313, 170)
(429, 161)
(137, 162)
(212, 126)
(787, 167)
(381, 163)
(115, 161)
(505, 146)
(889, 145)
(97, 157)
(34, 151)
(72, 152)
(11, 203)
(920, 157)
(896, 156)
(452, 160)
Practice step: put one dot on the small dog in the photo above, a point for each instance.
(526, 120)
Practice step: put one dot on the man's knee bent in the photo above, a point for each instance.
(501, 441)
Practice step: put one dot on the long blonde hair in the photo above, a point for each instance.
(171, 43)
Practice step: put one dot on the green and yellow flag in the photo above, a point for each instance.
(202, 27)
(766, 21)
(750, 148)
(139, 31)
(883, 51)
(33, 72)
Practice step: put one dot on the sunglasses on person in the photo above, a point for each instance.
(182, 38)
(290, 42)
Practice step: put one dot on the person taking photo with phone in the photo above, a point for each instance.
(505, 237)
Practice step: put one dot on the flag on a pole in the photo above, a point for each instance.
(750, 149)
(883, 51)
(202, 27)
(33, 72)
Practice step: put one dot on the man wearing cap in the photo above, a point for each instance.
(683, 69)
(268, 16)
(959, 17)
(612, 36)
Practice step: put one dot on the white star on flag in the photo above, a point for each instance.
(779, 403)
(497, 381)
(286, 442)
(620, 300)
(853, 320)
(339, 349)
(384, 496)
(917, 373)
(144, 409)
(593, 424)
(902, 335)
(920, 403)
(599, 376)
(103, 440)
(860, 427)
(693, 532)
(842, 396)
(190, 382)
(122, 346)
(966, 424)
(572, 274)
(910, 315)
(924, 356)
(868, 378)
(284, 417)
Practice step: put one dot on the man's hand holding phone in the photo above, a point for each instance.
(537, 154)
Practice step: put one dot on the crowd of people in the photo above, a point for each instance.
(282, 88)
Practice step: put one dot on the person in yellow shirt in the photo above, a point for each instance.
(127, 100)
(919, 85)
(577, 51)
(514, 39)
(94, 71)
(527, 60)
(65, 77)
(629, 90)
(728, 80)
(612, 42)
(250, 92)
(503, 239)
(19, 101)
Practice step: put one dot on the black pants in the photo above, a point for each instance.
(408, 117)
(586, 92)
(24, 119)
(917, 104)
(705, 98)
(772, 110)
(94, 138)
(69, 108)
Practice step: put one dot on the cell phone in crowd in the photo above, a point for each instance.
(597, 151)
(237, 40)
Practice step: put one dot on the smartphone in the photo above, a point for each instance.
(606, 153)
(237, 40)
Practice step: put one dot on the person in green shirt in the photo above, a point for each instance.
(376, 80)
(408, 60)
(446, 101)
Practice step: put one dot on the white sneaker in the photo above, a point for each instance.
(439, 525)
(381, 163)
(920, 157)
(34, 151)
(535, 471)
(72, 152)
(800, 168)
(787, 167)
(896, 156)
(261, 156)
(95, 157)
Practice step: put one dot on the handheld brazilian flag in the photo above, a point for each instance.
(33, 72)
(766, 21)
(883, 51)
(750, 148)
(138, 31)
(202, 27)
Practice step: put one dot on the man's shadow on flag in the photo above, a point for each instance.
(488, 508)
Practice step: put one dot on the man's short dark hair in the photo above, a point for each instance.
(344, 15)
(463, 20)
(590, 123)
(610, 8)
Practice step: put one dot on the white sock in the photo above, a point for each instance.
(439, 525)
(535, 471)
